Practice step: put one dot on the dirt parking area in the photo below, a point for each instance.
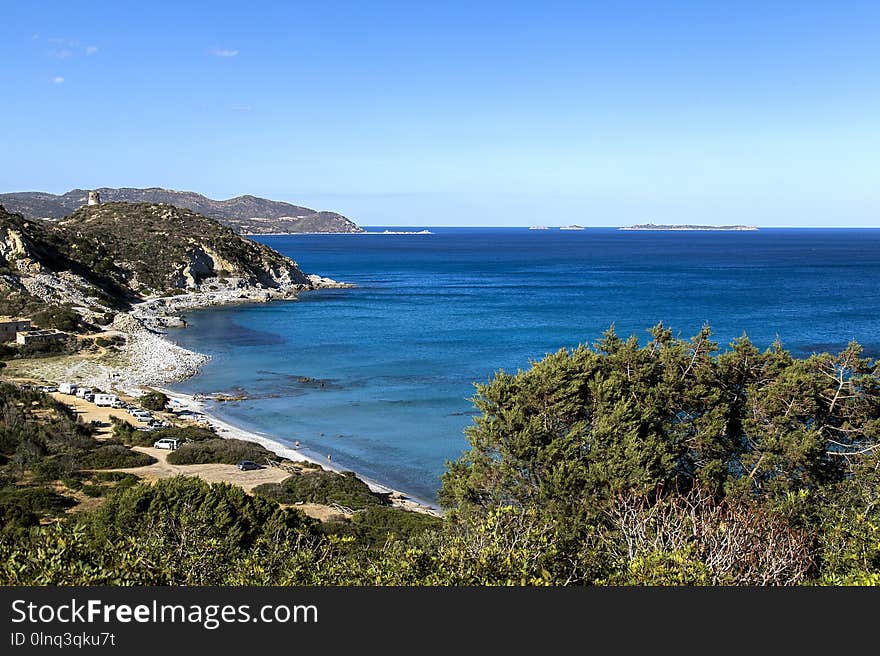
(213, 473)
(91, 412)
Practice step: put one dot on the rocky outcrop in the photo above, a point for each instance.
(17, 251)
(139, 266)
(12, 245)
(167, 248)
(106, 258)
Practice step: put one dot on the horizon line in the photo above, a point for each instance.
(615, 227)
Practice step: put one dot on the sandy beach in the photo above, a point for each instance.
(149, 360)
(195, 407)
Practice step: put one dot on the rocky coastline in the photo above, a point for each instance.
(147, 358)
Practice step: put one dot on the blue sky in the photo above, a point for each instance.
(457, 113)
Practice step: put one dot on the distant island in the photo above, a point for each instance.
(400, 232)
(654, 226)
(572, 227)
(246, 215)
(538, 227)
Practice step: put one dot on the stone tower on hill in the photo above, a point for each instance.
(94, 198)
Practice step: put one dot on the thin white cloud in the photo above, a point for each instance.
(242, 109)
(66, 48)
(57, 80)
(223, 52)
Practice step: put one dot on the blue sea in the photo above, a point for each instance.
(380, 376)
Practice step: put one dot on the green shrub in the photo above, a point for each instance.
(61, 318)
(114, 477)
(16, 519)
(219, 450)
(104, 482)
(208, 524)
(48, 469)
(73, 483)
(183, 433)
(377, 525)
(94, 490)
(154, 401)
(111, 456)
(124, 483)
(323, 487)
(139, 438)
(130, 436)
(22, 507)
(124, 431)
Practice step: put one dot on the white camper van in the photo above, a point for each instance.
(82, 391)
(105, 399)
(67, 388)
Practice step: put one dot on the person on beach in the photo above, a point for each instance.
(328, 457)
(296, 444)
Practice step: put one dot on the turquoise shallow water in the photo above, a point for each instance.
(379, 376)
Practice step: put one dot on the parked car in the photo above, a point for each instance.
(246, 465)
(167, 443)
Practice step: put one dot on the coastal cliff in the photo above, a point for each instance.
(130, 269)
(105, 258)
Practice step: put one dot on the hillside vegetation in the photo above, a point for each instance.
(103, 258)
(162, 248)
(668, 463)
(244, 214)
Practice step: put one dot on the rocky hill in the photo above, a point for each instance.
(103, 258)
(244, 214)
